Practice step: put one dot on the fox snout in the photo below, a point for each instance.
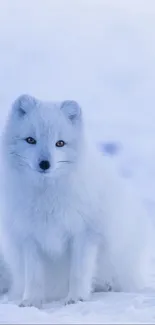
(44, 165)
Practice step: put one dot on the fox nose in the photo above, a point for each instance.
(44, 164)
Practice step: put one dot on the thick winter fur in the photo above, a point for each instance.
(72, 228)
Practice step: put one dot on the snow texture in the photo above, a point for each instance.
(100, 53)
(107, 308)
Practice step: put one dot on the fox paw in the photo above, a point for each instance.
(31, 303)
(73, 299)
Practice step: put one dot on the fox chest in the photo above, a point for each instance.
(46, 226)
(50, 235)
(50, 224)
(49, 221)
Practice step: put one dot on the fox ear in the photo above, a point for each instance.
(23, 104)
(72, 110)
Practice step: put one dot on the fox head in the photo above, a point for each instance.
(43, 138)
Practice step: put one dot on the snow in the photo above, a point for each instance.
(100, 52)
(107, 308)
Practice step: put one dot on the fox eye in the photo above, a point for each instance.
(60, 143)
(30, 140)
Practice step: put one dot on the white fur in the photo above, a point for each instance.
(71, 230)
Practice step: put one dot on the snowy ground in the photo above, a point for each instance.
(118, 308)
(102, 53)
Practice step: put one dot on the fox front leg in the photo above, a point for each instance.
(34, 278)
(82, 267)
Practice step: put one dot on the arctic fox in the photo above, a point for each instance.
(68, 225)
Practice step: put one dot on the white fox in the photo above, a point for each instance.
(68, 224)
